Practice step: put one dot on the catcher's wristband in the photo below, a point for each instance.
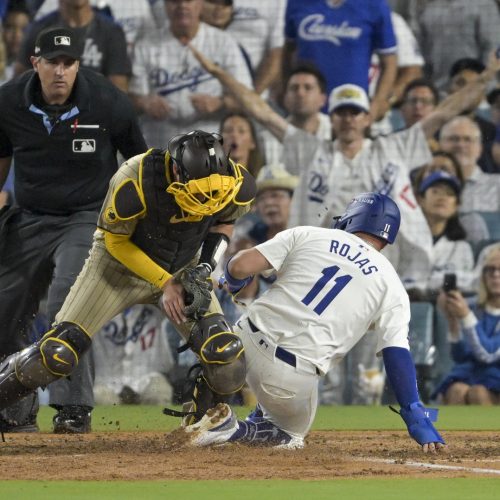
(214, 248)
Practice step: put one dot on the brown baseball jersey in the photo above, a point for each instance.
(142, 238)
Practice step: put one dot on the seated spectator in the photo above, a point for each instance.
(275, 188)
(462, 137)
(104, 44)
(442, 247)
(14, 25)
(132, 359)
(463, 72)
(494, 102)
(441, 162)
(135, 17)
(475, 341)
(240, 141)
(475, 227)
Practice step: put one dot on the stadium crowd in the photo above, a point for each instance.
(319, 100)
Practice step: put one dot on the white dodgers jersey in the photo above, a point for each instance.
(331, 288)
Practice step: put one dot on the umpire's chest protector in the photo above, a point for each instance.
(163, 233)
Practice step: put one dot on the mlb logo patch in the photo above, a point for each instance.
(84, 146)
(62, 40)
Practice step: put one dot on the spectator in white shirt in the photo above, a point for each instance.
(462, 137)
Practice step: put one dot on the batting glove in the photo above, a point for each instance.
(419, 420)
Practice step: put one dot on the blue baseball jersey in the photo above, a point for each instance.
(340, 39)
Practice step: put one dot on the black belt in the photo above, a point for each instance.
(280, 353)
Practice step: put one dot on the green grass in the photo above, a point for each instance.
(356, 418)
(373, 489)
(150, 418)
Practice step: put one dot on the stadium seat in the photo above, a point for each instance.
(421, 333)
(444, 362)
(492, 220)
(421, 338)
(478, 246)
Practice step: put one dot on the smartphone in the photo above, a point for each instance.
(450, 282)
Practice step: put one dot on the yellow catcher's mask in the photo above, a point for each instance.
(208, 195)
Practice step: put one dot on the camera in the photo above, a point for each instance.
(450, 282)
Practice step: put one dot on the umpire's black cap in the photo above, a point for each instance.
(54, 42)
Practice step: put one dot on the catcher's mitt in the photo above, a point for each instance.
(197, 284)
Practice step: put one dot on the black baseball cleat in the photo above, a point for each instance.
(72, 420)
(21, 416)
(8, 425)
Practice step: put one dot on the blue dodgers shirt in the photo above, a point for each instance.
(340, 40)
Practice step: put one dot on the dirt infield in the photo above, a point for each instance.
(327, 455)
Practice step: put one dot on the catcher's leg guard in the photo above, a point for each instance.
(221, 354)
(202, 399)
(52, 357)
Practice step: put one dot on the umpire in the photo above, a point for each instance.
(62, 126)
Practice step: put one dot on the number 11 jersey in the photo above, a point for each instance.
(332, 287)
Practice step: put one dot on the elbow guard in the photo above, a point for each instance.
(214, 247)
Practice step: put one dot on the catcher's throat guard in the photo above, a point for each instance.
(221, 354)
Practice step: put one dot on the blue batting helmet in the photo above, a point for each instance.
(371, 213)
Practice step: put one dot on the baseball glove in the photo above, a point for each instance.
(197, 285)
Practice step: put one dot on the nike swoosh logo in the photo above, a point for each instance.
(57, 358)
(188, 218)
(223, 348)
(175, 220)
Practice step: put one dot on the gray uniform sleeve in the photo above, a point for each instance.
(298, 149)
(488, 32)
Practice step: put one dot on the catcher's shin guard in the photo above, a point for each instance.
(221, 354)
(52, 357)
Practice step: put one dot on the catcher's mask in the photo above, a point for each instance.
(209, 179)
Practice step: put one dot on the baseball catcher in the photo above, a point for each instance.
(166, 221)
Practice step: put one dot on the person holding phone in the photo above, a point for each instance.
(442, 249)
(474, 335)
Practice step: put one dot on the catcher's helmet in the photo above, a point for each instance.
(371, 213)
(209, 179)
